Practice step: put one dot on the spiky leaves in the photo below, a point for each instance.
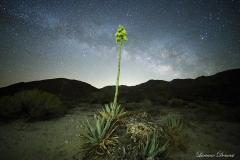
(151, 147)
(174, 125)
(99, 136)
(113, 111)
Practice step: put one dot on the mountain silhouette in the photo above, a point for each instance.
(59, 86)
(223, 86)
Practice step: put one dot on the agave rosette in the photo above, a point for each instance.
(112, 111)
(174, 124)
(99, 136)
(151, 147)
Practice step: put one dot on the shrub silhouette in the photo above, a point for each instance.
(175, 102)
(32, 104)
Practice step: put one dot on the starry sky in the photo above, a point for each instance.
(74, 39)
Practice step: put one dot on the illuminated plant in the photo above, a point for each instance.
(99, 136)
(113, 112)
(120, 37)
(150, 148)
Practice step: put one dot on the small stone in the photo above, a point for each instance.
(78, 135)
(67, 141)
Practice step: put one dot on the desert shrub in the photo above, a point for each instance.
(68, 104)
(213, 109)
(122, 100)
(93, 100)
(161, 100)
(212, 106)
(145, 103)
(199, 100)
(9, 108)
(33, 104)
(175, 102)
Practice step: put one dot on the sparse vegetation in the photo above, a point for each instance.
(143, 104)
(175, 102)
(31, 104)
(161, 100)
(146, 103)
(212, 107)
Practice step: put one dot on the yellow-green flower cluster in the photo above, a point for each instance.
(121, 35)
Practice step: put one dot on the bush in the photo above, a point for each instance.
(33, 104)
(175, 102)
(162, 100)
(146, 103)
(9, 109)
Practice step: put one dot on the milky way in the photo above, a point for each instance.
(167, 39)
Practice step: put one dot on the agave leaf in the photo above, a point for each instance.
(106, 129)
(152, 145)
(98, 126)
(85, 135)
(90, 128)
(160, 150)
(117, 109)
(88, 137)
(107, 108)
(122, 110)
(101, 112)
(147, 144)
(103, 121)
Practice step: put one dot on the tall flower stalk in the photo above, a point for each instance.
(120, 37)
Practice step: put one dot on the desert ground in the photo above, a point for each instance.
(206, 135)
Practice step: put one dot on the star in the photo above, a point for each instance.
(75, 40)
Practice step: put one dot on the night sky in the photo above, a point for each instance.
(74, 39)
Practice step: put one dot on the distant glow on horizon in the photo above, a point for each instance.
(75, 40)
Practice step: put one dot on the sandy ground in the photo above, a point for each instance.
(59, 139)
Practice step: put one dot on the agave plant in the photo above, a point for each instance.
(150, 148)
(174, 124)
(113, 112)
(99, 136)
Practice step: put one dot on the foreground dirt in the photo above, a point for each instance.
(59, 139)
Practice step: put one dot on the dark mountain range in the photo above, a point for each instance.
(60, 87)
(223, 86)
